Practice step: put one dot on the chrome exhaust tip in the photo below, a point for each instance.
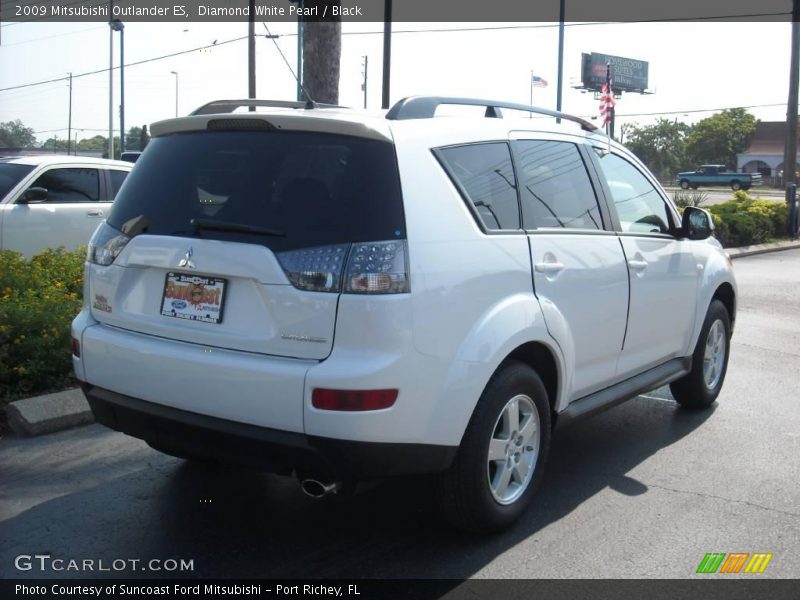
(318, 489)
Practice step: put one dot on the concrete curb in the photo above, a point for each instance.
(762, 248)
(62, 410)
(49, 413)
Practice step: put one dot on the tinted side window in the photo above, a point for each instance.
(70, 185)
(117, 177)
(555, 186)
(485, 174)
(639, 206)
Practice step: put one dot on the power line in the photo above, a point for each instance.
(404, 31)
(698, 110)
(49, 37)
(133, 64)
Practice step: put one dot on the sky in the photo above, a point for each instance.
(693, 67)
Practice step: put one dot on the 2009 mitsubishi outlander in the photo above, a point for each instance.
(348, 296)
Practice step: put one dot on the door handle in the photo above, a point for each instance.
(548, 267)
(95, 212)
(637, 265)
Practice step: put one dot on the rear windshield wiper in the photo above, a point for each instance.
(214, 225)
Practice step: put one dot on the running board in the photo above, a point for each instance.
(625, 390)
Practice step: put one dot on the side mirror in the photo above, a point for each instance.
(697, 223)
(33, 195)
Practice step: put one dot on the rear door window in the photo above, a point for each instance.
(555, 188)
(117, 179)
(312, 189)
(485, 177)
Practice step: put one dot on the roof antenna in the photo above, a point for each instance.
(309, 101)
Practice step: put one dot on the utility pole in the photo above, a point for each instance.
(560, 79)
(69, 122)
(300, 52)
(251, 53)
(387, 50)
(110, 82)
(364, 85)
(790, 150)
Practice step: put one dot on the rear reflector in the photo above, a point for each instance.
(353, 399)
(76, 348)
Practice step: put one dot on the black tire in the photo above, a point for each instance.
(694, 186)
(684, 184)
(736, 185)
(694, 391)
(465, 495)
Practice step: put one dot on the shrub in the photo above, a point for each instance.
(744, 220)
(38, 300)
(684, 198)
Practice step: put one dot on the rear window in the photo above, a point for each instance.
(314, 188)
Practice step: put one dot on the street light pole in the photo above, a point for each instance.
(790, 149)
(387, 51)
(69, 125)
(251, 54)
(110, 82)
(176, 92)
(118, 25)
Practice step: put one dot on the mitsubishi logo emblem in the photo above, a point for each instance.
(187, 261)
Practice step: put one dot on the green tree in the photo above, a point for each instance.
(54, 144)
(662, 146)
(144, 138)
(97, 143)
(132, 138)
(14, 134)
(720, 137)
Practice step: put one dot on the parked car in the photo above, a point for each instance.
(55, 200)
(352, 296)
(130, 156)
(716, 175)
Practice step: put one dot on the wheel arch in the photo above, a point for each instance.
(543, 360)
(726, 294)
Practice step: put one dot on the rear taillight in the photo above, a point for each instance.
(377, 268)
(105, 245)
(367, 268)
(315, 269)
(353, 400)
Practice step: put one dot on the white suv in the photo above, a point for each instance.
(353, 296)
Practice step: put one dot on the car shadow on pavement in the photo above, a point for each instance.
(239, 523)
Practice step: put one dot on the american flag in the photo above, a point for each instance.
(537, 81)
(607, 102)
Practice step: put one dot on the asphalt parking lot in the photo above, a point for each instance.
(642, 491)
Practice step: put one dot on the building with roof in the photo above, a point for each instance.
(765, 153)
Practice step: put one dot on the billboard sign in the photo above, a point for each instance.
(627, 74)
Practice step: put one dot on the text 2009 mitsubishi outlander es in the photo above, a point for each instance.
(348, 296)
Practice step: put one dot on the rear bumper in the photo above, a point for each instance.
(268, 449)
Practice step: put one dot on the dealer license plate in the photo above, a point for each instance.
(193, 297)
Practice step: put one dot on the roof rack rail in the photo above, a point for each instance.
(228, 106)
(424, 107)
